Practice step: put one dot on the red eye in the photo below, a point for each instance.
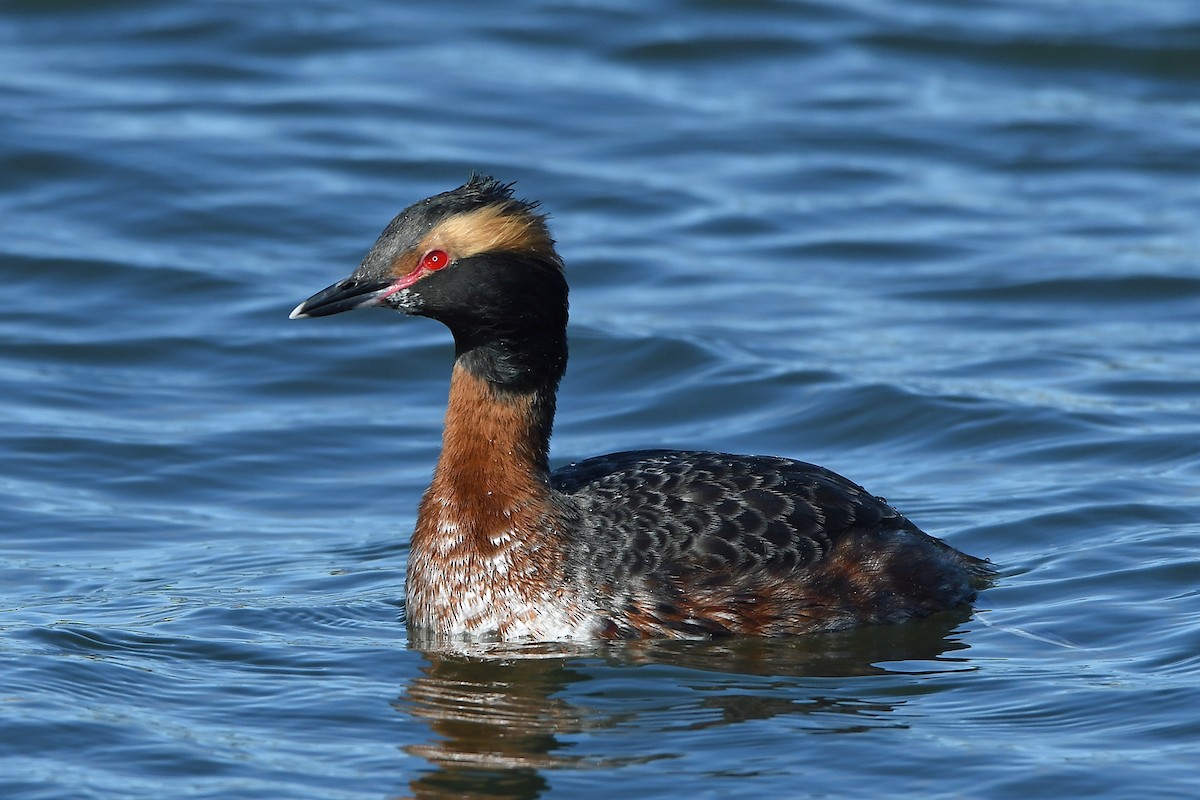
(434, 260)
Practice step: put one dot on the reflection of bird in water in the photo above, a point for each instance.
(496, 725)
(628, 545)
(503, 723)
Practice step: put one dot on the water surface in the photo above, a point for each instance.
(948, 250)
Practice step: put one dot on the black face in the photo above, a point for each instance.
(368, 284)
(506, 306)
(508, 314)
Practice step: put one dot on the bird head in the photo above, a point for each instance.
(478, 260)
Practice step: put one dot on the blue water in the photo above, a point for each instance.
(947, 249)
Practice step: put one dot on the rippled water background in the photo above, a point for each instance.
(947, 249)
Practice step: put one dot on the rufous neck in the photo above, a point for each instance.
(490, 518)
(493, 435)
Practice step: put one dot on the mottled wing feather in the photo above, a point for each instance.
(714, 519)
(742, 514)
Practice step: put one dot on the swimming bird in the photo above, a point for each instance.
(651, 543)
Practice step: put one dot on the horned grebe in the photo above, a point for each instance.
(629, 545)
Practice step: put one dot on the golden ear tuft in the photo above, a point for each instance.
(499, 227)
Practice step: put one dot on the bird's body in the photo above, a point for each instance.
(628, 545)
